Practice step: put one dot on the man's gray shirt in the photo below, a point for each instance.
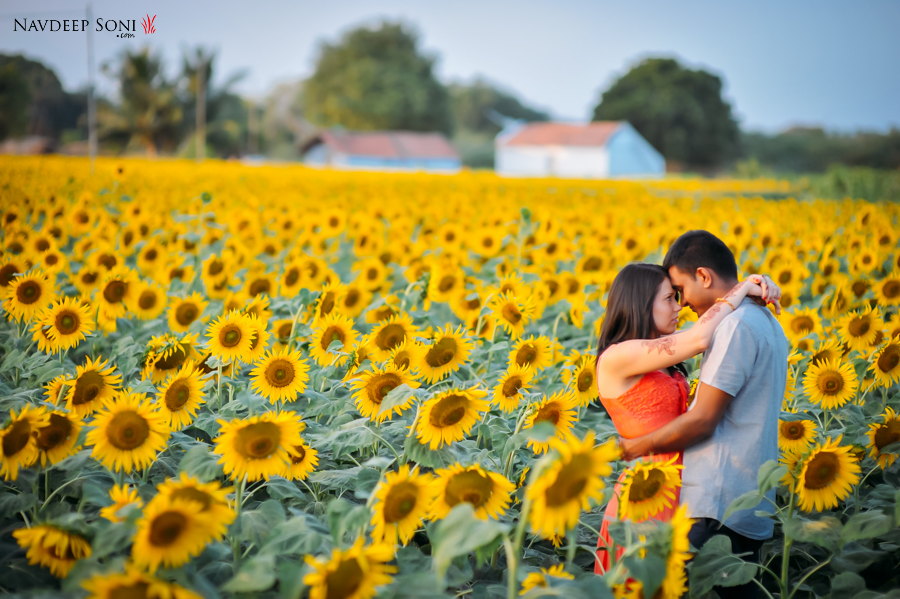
(746, 359)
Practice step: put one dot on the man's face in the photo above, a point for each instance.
(694, 294)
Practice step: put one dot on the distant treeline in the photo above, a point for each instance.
(680, 111)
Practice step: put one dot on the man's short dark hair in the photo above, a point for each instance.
(699, 248)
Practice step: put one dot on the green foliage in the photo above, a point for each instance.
(377, 79)
(680, 111)
(814, 150)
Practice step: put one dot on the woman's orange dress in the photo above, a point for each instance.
(653, 401)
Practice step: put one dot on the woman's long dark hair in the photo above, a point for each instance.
(629, 307)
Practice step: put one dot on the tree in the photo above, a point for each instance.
(33, 102)
(377, 79)
(680, 111)
(214, 115)
(148, 113)
(480, 106)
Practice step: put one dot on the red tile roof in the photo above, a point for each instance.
(389, 144)
(563, 134)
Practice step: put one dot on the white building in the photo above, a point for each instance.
(592, 150)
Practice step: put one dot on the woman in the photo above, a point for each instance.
(640, 379)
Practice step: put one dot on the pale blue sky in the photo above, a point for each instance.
(814, 62)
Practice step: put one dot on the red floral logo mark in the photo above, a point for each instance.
(147, 23)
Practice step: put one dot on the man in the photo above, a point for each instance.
(731, 428)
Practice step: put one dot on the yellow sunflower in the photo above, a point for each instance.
(128, 434)
(567, 485)
(448, 351)
(304, 460)
(674, 584)
(68, 321)
(408, 355)
(117, 292)
(134, 584)
(58, 439)
(402, 503)
(170, 532)
(259, 338)
(185, 311)
(281, 375)
(167, 354)
(859, 330)
(122, 496)
(512, 313)
(260, 446)
(800, 322)
(355, 573)
(544, 578)
(830, 384)
(148, 301)
(884, 433)
(212, 498)
(19, 439)
(557, 409)
(827, 350)
(510, 385)
(391, 334)
(827, 476)
(795, 436)
(54, 391)
(489, 493)
(52, 547)
(449, 416)
(231, 336)
(27, 294)
(886, 364)
(648, 488)
(582, 379)
(371, 388)
(887, 290)
(181, 396)
(40, 335)
(536, 352)
(332, 337)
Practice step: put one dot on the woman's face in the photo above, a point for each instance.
(666, 308)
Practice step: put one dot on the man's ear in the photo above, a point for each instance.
(704, 276)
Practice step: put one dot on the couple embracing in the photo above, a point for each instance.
(731, 427)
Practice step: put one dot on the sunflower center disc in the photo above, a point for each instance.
(259, 440)
(585, 380)
(55, 433)
(859, 327)
(185, 314)
(167, 528)
(177, 395)
(16, 438)
(891, 289)
(803, 324)
(886, 434)
(889, 359)
(526, 355)
(793, 431)
(441, 353)
(449, 411)
(821, 470)
(831, 384)
(391, 336)
(301, 454)
(147, 300)
(511, 387)
(400, 501)
(468, 486)
(28, 292)
(570, 481)
(194, 494)
(231, 337)
(345, 579)
(646, 485)
(280, 373)
(511, 314)
(87, 387)
(127, 430)
(66, 323)
(114, 291)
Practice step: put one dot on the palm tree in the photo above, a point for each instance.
(147, 114)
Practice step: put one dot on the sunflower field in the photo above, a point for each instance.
(220, 380)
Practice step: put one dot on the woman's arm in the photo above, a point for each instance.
(638, 356)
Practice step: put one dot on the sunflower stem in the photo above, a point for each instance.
(511, 567)
(570, 549)
(786, 551)
(238, 504)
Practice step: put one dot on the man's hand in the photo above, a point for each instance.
(628, 447)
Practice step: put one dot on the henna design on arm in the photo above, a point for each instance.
(709, 314)
(663, 344)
